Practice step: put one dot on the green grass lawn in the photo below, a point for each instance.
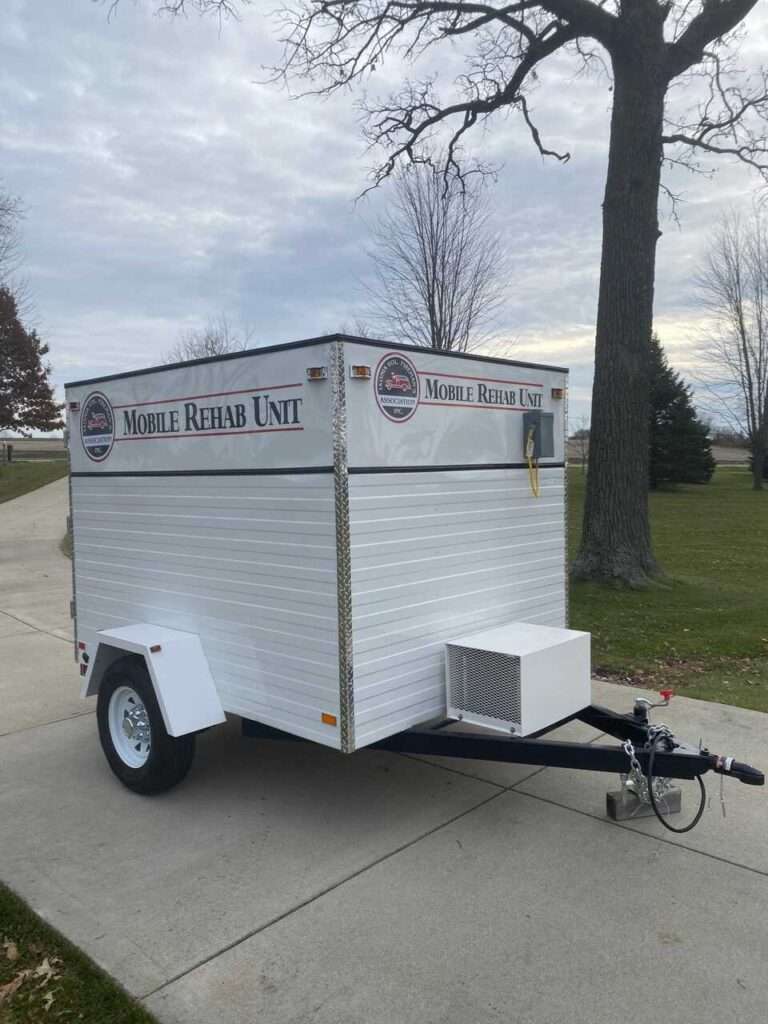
(45, 978)
(20, 477)
(705, 631)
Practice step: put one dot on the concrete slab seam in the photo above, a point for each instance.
(44, 725)
(643, 835)
(323, 892)
(424, 759)
(31, 625)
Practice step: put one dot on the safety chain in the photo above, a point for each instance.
(637, 781)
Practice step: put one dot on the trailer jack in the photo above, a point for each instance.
(651, 750)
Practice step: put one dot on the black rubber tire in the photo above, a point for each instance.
(169, 757)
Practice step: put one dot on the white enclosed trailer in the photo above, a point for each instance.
(318, 537)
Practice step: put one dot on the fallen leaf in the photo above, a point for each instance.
(11, 950)
(7, 990)
(48, 999)
(46, 971)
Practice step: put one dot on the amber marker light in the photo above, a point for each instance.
(317, 373)
(360, 372)
(327, 719)
(558, 392)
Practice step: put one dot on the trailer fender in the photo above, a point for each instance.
(177, 666)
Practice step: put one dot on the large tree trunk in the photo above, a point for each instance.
(759, 454)
(616, 537)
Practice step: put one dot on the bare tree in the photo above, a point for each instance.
(215, 339)
(734, 287)
(358, 329)
(221, 9)
(580, 441)
(10, 214)
(438, 265)
(678, 94)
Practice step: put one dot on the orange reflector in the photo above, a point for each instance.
(155, 648)
(558, 392)
(360, 372)
(317, 372)
(327, 719)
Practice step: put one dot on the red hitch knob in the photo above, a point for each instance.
(666, 695)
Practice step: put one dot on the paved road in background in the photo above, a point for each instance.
(36, 655)
(286, 883)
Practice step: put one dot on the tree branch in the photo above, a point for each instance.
(715, 19)
(587, 18)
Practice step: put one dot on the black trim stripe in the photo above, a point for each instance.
(299, 470)
(283, 471)
(307, 343)
(455, 468)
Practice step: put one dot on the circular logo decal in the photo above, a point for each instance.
(397, 387)
(97, 426)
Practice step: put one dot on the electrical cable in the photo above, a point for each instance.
(533, 465)
(652, 797)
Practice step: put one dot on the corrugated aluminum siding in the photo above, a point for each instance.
(246, 562)
(435, 556)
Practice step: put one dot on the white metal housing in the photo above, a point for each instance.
(518, 678)
(323, 534)
(178, 668)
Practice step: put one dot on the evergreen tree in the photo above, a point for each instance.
(26, 396)
(681, 451)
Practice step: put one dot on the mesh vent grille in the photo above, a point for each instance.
(484, 683)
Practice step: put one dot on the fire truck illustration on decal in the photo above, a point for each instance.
(97, 426)
(397, 387)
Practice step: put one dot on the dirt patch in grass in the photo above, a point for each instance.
(740, 681)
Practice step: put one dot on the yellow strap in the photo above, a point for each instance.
(533, 477)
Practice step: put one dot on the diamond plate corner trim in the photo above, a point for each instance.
(71, 530)
(565, 512)
(343, 554)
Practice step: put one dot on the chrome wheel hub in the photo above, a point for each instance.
(129, 727)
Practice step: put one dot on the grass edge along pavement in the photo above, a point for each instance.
(704, 630)
(18, 478)
(43, 977)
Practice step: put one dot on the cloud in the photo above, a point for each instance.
(166, 181)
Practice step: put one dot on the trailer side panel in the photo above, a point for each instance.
(203, 500)
(447, 536)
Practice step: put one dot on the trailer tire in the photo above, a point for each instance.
(132, 732)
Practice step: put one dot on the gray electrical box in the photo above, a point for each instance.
(543, 426)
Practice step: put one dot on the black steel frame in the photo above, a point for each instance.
(673, 758)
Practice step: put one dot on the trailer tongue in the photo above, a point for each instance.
(647, 760)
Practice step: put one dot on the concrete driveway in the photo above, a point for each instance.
(286, 883)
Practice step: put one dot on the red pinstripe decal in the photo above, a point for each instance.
(213, 394)
(211, 433)
(489, 380)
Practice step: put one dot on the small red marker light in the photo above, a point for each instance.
(666, 694)
(155, 649)
(81, 646)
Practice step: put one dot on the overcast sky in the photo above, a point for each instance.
(164, 182)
